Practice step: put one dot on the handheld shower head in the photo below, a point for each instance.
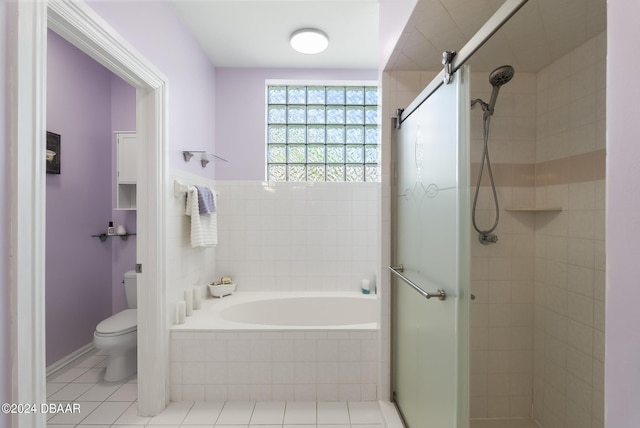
(501, 75)
(497, 78)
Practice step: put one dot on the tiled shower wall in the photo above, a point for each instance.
(502, 274)
(570, 255)
(298, 236)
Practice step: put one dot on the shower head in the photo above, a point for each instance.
(497, 78)
(501, 75)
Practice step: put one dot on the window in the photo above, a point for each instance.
(322, 133)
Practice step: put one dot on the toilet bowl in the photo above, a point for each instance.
(118, 336)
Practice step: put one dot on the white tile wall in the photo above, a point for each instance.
(187, 266)
(278, 236)
(298, 236)
(274, 366)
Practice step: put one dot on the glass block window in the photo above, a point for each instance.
(322, 133)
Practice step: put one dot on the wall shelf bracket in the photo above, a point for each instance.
(204, 158)
(103, 236)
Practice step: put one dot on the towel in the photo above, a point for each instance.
(206, 201)
(204, 228)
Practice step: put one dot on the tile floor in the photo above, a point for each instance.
(114, 404)
(504, 423)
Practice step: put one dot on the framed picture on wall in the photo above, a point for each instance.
(53, 153)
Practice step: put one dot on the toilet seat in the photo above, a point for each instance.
(119, 324)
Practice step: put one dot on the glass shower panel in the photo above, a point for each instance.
(430, 357)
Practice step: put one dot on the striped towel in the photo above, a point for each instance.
(204, 228)
(206, 201)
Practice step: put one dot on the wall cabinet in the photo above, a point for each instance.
(127, 159)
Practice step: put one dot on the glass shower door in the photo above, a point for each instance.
(431, 219)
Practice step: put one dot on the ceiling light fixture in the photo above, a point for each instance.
(309, 41)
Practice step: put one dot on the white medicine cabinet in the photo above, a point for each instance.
(126, 148)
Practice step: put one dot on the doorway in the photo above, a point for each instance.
(81, 26)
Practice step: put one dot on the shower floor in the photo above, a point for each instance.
(503, 423)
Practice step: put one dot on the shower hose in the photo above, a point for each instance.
(485, 161)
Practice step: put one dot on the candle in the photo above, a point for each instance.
(188, 298)
(197, 297)
(181, 310)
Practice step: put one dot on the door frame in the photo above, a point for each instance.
(75, 21)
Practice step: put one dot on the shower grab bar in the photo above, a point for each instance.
(397, 270)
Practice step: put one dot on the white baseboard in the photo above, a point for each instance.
(69, 359)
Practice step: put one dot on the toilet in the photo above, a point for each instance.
(118, 335)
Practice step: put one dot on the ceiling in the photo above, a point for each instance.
(541, 32)
(255, 33)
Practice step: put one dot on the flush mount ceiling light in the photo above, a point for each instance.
(309, 41)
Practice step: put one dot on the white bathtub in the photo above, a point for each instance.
(285, 311)
(278, 346)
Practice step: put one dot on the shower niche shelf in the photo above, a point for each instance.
(534, 209)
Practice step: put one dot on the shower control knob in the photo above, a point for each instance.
(486, 238)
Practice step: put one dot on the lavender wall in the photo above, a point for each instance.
(78, 267)
(164, 41)
(394, 15)
(5, 232)
(240, 115)
(123, 255)
(162, 38)
(622, 364)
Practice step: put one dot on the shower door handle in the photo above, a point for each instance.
(397, 270)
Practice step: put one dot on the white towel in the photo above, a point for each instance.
(204, 228)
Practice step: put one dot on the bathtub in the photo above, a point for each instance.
(285, 311)
(278, 346)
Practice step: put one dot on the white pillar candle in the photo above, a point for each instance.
(188, 298)
(181, 310)
(197, 297)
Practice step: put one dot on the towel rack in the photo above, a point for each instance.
(440, 294)
(179, 189)
(188, 154)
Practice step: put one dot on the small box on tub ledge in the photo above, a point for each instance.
(222, 288)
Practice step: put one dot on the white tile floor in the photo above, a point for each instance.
(114, 404)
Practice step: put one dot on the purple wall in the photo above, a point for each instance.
(162, 38)
(78, 267)
(5, 232)
(123, 118)
(240, 115)
(622, 364)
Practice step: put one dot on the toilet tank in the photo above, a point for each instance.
(130, 289)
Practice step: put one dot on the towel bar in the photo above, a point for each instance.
(440, 294)
(180, 189)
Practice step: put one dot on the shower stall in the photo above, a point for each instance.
(535, 292)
